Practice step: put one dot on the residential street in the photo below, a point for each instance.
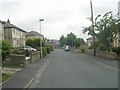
(74, 70)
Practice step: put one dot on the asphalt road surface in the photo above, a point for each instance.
(72, 70)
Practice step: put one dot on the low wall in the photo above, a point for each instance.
(34, 56)
(17, 59)
(102, 54)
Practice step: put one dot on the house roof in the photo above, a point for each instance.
(9, 25)
(33, 33)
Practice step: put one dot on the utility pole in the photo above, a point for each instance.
(93, 27)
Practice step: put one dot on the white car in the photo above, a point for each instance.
(27, 48)
(67, 48)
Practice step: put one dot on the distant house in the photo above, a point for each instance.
(34, 34)
(90, 41)
(1, 30)
(116, 41)
(14, 34)
(54, 42)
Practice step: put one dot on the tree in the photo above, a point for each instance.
(30, 42)
(62, 40)
(71, 40)
(6, 50)
(105, 29)
(34, 42)
(79, 42)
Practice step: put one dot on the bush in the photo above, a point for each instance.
(83, 51)
(116, 50)
(48, 49)
(50, 46)
(6, 50)
(44, 51)
(35, 43)
(102, 47)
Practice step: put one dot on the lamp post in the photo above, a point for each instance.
(93, 27)
(41, 53)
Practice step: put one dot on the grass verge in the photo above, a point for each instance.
(4, 77)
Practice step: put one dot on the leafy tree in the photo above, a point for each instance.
(34, 42)
(62, 40)
(6, 50)
(30, 42)
(71, 40)
(105, 29)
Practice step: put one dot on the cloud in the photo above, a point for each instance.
(61, 16)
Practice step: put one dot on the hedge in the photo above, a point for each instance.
(48, 49)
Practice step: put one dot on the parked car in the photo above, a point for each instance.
(67, 48)
(29, 48)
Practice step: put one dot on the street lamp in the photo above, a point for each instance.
(41, 40)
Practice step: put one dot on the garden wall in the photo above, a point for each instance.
(34, 56)
(103, 54)
(17, 59)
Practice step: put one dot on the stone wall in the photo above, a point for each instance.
(103, 54)
(17, 59)
(34, 56)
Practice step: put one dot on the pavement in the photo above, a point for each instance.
(23, 77)
(62, 69)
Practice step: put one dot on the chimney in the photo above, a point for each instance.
(8, 21)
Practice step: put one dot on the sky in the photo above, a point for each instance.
(60, 16)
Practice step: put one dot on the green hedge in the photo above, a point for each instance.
(48, 49)
(44, 51)
(50, 46)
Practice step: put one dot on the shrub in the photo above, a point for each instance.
(44, 51)
(116, 50)
(6, 50)
(48, 49)
(83, 51)
(34, 42)
(50, 46)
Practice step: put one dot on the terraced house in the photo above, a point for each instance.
(14, 34)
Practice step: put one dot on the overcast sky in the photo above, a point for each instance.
(60, 16)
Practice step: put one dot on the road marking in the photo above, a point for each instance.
(38, 74)
(107, 66)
